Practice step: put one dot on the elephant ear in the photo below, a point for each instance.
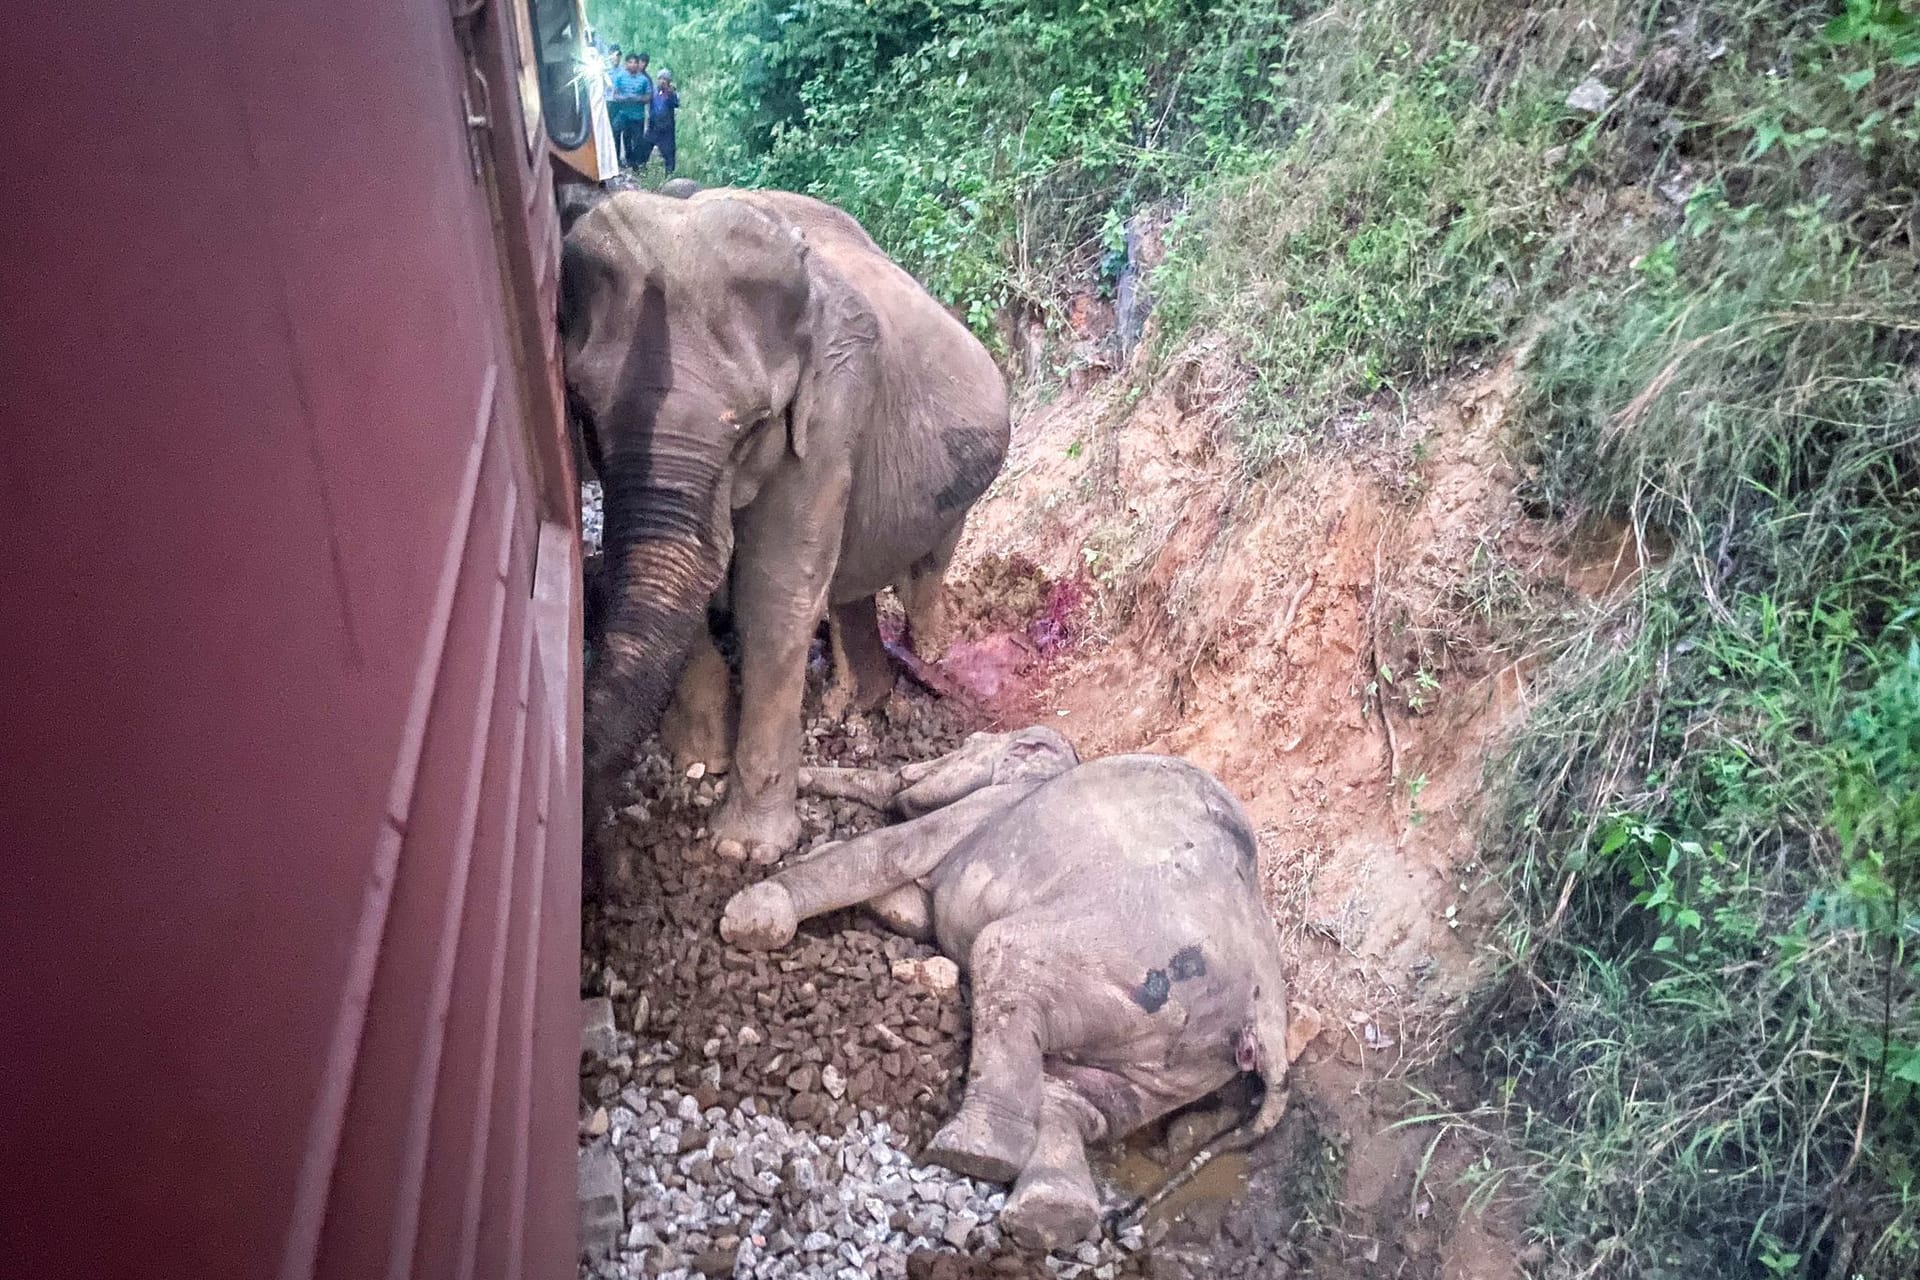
(1037, 753)
(749, 284)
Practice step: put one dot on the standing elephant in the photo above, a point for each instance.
(760, 387)
(1110, 919)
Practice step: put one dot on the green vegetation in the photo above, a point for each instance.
(989, 144)
(1705, 1052)
(1396, 232)
(1711, 1042)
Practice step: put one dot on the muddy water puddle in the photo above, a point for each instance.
(1207, 1197)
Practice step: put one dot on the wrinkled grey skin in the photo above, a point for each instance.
(1110, 919)
(784, 421)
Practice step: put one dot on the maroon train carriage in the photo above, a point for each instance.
(291, 904)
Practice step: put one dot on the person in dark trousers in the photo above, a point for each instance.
(629, 98)
(660, 123)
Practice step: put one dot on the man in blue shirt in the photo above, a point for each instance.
(629, 98)
(660, 123)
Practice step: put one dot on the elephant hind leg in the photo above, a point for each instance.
(1054, 1204)
(862, 672)
(699, 725)
(994, 1133)
(923, 594)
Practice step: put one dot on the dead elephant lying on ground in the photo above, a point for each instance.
(1110, 919)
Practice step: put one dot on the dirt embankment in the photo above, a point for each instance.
(1341, 643)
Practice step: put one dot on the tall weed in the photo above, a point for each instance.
(1709, 1046)
(1396, 234)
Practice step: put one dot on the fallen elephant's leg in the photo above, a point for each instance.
(907, 910)
(876, 787)
(995, 1130)
(1054, 1203)
(866, 867)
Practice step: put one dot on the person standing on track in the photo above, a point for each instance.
(630, 97)
(660, 123)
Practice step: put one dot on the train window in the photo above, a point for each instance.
(564, 93)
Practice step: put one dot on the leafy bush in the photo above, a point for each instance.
(985, 143)
(1710, 1049)
(1397, 233)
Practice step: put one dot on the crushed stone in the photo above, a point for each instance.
(766, 1109)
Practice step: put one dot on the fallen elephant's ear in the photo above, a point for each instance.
(1027, 758)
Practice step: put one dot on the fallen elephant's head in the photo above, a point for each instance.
(984, 760)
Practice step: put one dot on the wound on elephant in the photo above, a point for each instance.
(1187, 962)
(1157, 986)
(1246, 1047)
(1153, 990)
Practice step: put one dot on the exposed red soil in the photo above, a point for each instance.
(1333, 641)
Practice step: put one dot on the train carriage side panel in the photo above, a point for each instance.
(293, 765)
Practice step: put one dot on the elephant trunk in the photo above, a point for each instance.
(662, 565)
(876, 787)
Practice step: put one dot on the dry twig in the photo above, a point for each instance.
(1373, 660)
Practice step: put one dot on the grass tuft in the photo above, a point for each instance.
(1397, 234)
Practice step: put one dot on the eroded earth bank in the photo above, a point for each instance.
(1323, 642)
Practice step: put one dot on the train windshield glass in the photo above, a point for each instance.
(563, 71)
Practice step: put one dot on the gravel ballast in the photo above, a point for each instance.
(766, 1109)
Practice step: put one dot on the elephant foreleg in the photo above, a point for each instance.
(863, 869)
(699, 724)
(786, 547)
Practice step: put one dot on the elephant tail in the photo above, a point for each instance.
(1269, 1055)
(1261, 1048)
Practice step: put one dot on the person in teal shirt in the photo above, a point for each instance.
(629, 100)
